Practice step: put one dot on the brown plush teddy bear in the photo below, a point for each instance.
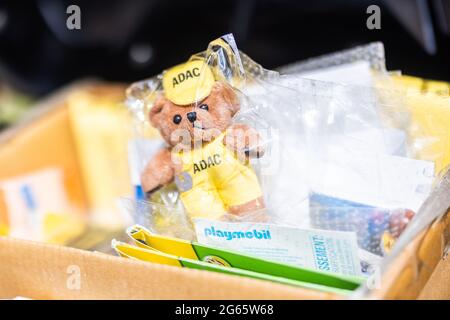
(207, 155)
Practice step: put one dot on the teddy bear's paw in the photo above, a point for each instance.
(244, 141)
(158, 172)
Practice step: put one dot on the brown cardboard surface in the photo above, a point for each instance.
(42, 271)
(438, 287)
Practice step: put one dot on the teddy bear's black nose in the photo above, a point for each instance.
(192, 116)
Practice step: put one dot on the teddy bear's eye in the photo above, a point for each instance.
(177, 119)
(204, 107)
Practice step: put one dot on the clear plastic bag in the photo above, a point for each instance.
(211, 130)
(363, 175)
(358, 66)
(327, 156)
(372, 53)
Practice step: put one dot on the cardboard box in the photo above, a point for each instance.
(41, 271)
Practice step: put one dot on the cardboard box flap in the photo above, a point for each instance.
(42, 271)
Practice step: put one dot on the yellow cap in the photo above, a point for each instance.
(189, 82)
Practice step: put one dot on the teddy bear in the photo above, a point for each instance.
(207, 156)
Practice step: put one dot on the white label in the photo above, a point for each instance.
(332, 251)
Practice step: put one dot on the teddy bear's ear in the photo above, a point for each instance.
(156, 109)
(229, 96)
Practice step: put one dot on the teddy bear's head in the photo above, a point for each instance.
(203, 120)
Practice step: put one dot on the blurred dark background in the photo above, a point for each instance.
(134, 39)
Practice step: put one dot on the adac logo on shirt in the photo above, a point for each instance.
(188, 83)
(203, 164)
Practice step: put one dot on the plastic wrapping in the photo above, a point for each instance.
(211, 130)
(372, 53)
(357, 66)
(163, 213)
(340, 159)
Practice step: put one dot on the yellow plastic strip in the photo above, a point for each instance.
(145, 239)
(129, 251)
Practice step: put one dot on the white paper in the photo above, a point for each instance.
(382, 181)
(358, 72)
(331, 251)
(140, 151)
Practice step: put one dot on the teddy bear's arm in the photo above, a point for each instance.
(244, 140)
(158, 172)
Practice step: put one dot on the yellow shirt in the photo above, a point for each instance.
(213, 179)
